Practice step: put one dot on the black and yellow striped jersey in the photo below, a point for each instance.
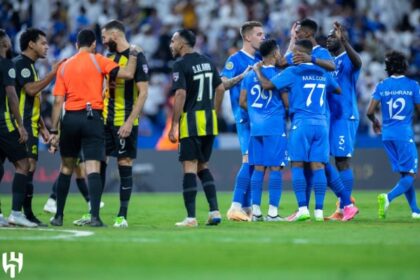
(7, 78)
(29, 106)
(196, 74)
(121, 95)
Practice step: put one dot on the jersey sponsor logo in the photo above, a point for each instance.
(145, 68)
(25, 73)
(12, 73)
(175, 76)
(229, 65)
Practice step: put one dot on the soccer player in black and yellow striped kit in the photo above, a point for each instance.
(198, 95)
(12, 135)
(124, 100)
(34, 46)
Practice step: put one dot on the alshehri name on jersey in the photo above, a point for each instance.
(397, 95)
(235, 65)
(344, 106)
(265, 107)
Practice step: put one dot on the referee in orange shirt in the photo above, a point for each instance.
(79, 83)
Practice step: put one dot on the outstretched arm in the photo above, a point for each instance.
(353, 55)
(228, 83)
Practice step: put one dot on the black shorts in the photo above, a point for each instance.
(10, 148)
(80, 133)
(32, 144)
(120, 148)
(196, 148)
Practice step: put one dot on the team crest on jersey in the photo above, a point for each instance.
(12, 73)
(145, 68)
(229, 65)
(25, 73)
(175, 76)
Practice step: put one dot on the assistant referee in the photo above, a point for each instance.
(79, 83)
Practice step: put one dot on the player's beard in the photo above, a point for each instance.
(9, 54)
(112, 46)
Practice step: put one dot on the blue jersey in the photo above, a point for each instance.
(317, 51)
(236, 65)
(397, 95)
(308, 85)
(265, 107)
(344, 106)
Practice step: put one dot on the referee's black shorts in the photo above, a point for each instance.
(196, 148)
(80, 133)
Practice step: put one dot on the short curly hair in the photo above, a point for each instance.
(395, 63)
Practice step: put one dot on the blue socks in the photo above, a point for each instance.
(299, 185)
(411, 199)
(347, 179)
(257, 180)
(320, 186)
(242, 185)
(274, 188)
(403, 185)
(336, 185)
(308, 177)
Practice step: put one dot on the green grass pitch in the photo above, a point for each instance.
(153, 248)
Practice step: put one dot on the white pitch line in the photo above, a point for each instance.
(65, 234)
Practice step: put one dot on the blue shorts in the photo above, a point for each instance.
(343, 137)
(244, 130)
(308, 142)
(402, 155)
(270, 150)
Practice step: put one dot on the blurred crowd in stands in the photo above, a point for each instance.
(374, 27)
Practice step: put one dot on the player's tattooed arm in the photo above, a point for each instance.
(353, 55)
(228, 83)
(265, 83)
(371, 116)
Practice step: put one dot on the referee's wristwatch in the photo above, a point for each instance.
(54, 131)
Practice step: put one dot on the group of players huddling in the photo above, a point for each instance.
(314, 88)
(300, 107)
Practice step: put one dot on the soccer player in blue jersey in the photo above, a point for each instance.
(344, 117)
(233, 72)
(268, 142)
(306, 30)
(398, 95)
(307, 86)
